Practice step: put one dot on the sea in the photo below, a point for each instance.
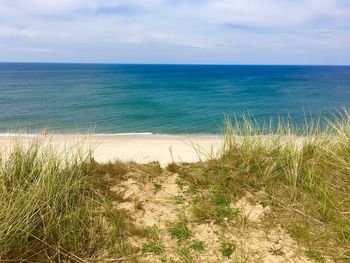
(163, 99)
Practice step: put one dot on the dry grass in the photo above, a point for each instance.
(305, 179)
(56, 206)
(63, 207)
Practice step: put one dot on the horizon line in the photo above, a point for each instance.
(180, 64)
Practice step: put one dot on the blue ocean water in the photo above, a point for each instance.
(170, 99)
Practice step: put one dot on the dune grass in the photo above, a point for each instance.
(46, 209)
(52, 208)
(58, 207)
(303, 175)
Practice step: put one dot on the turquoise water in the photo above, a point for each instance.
(169, 99)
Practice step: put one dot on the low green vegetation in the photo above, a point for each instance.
(153, 247)
(198, 245)
(180, 231)
(227, 248)
(178, 199)
(184, 252)
(157, 187)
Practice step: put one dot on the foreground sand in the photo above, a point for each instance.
(139, 148)
(160, 200)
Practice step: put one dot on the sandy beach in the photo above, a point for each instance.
(138, 148)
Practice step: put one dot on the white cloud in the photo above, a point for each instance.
(227, 26)
(33, 49)
(7, 31)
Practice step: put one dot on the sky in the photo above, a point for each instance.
(176, 31)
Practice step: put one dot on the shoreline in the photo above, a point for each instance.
(125, 134)
(141, 148)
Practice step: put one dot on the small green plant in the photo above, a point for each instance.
(172, 167)
(184, 251)
(157, 187)
(180, 231)
(178, 199)
(345, 232)
(202, 211)
(152, 232)
(197, 245)
(152, 247)
(227, 248)
(223, 214)
(314, 255)
(300, 232)
(218, 197)
(182, 174)
(152, 169)
(192, 189)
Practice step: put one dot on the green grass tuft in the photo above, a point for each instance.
(198, 245)
(227, 248)
(180, 231)
(153, 247)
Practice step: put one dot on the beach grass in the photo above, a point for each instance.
(303, 175)
(46, 209)
(58, 206)
(51, 206)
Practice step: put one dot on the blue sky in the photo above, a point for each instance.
(176, 31)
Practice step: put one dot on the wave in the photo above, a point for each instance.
(9, 134)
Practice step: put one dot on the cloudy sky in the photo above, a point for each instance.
(176, 31)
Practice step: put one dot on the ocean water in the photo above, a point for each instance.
(165, 99)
